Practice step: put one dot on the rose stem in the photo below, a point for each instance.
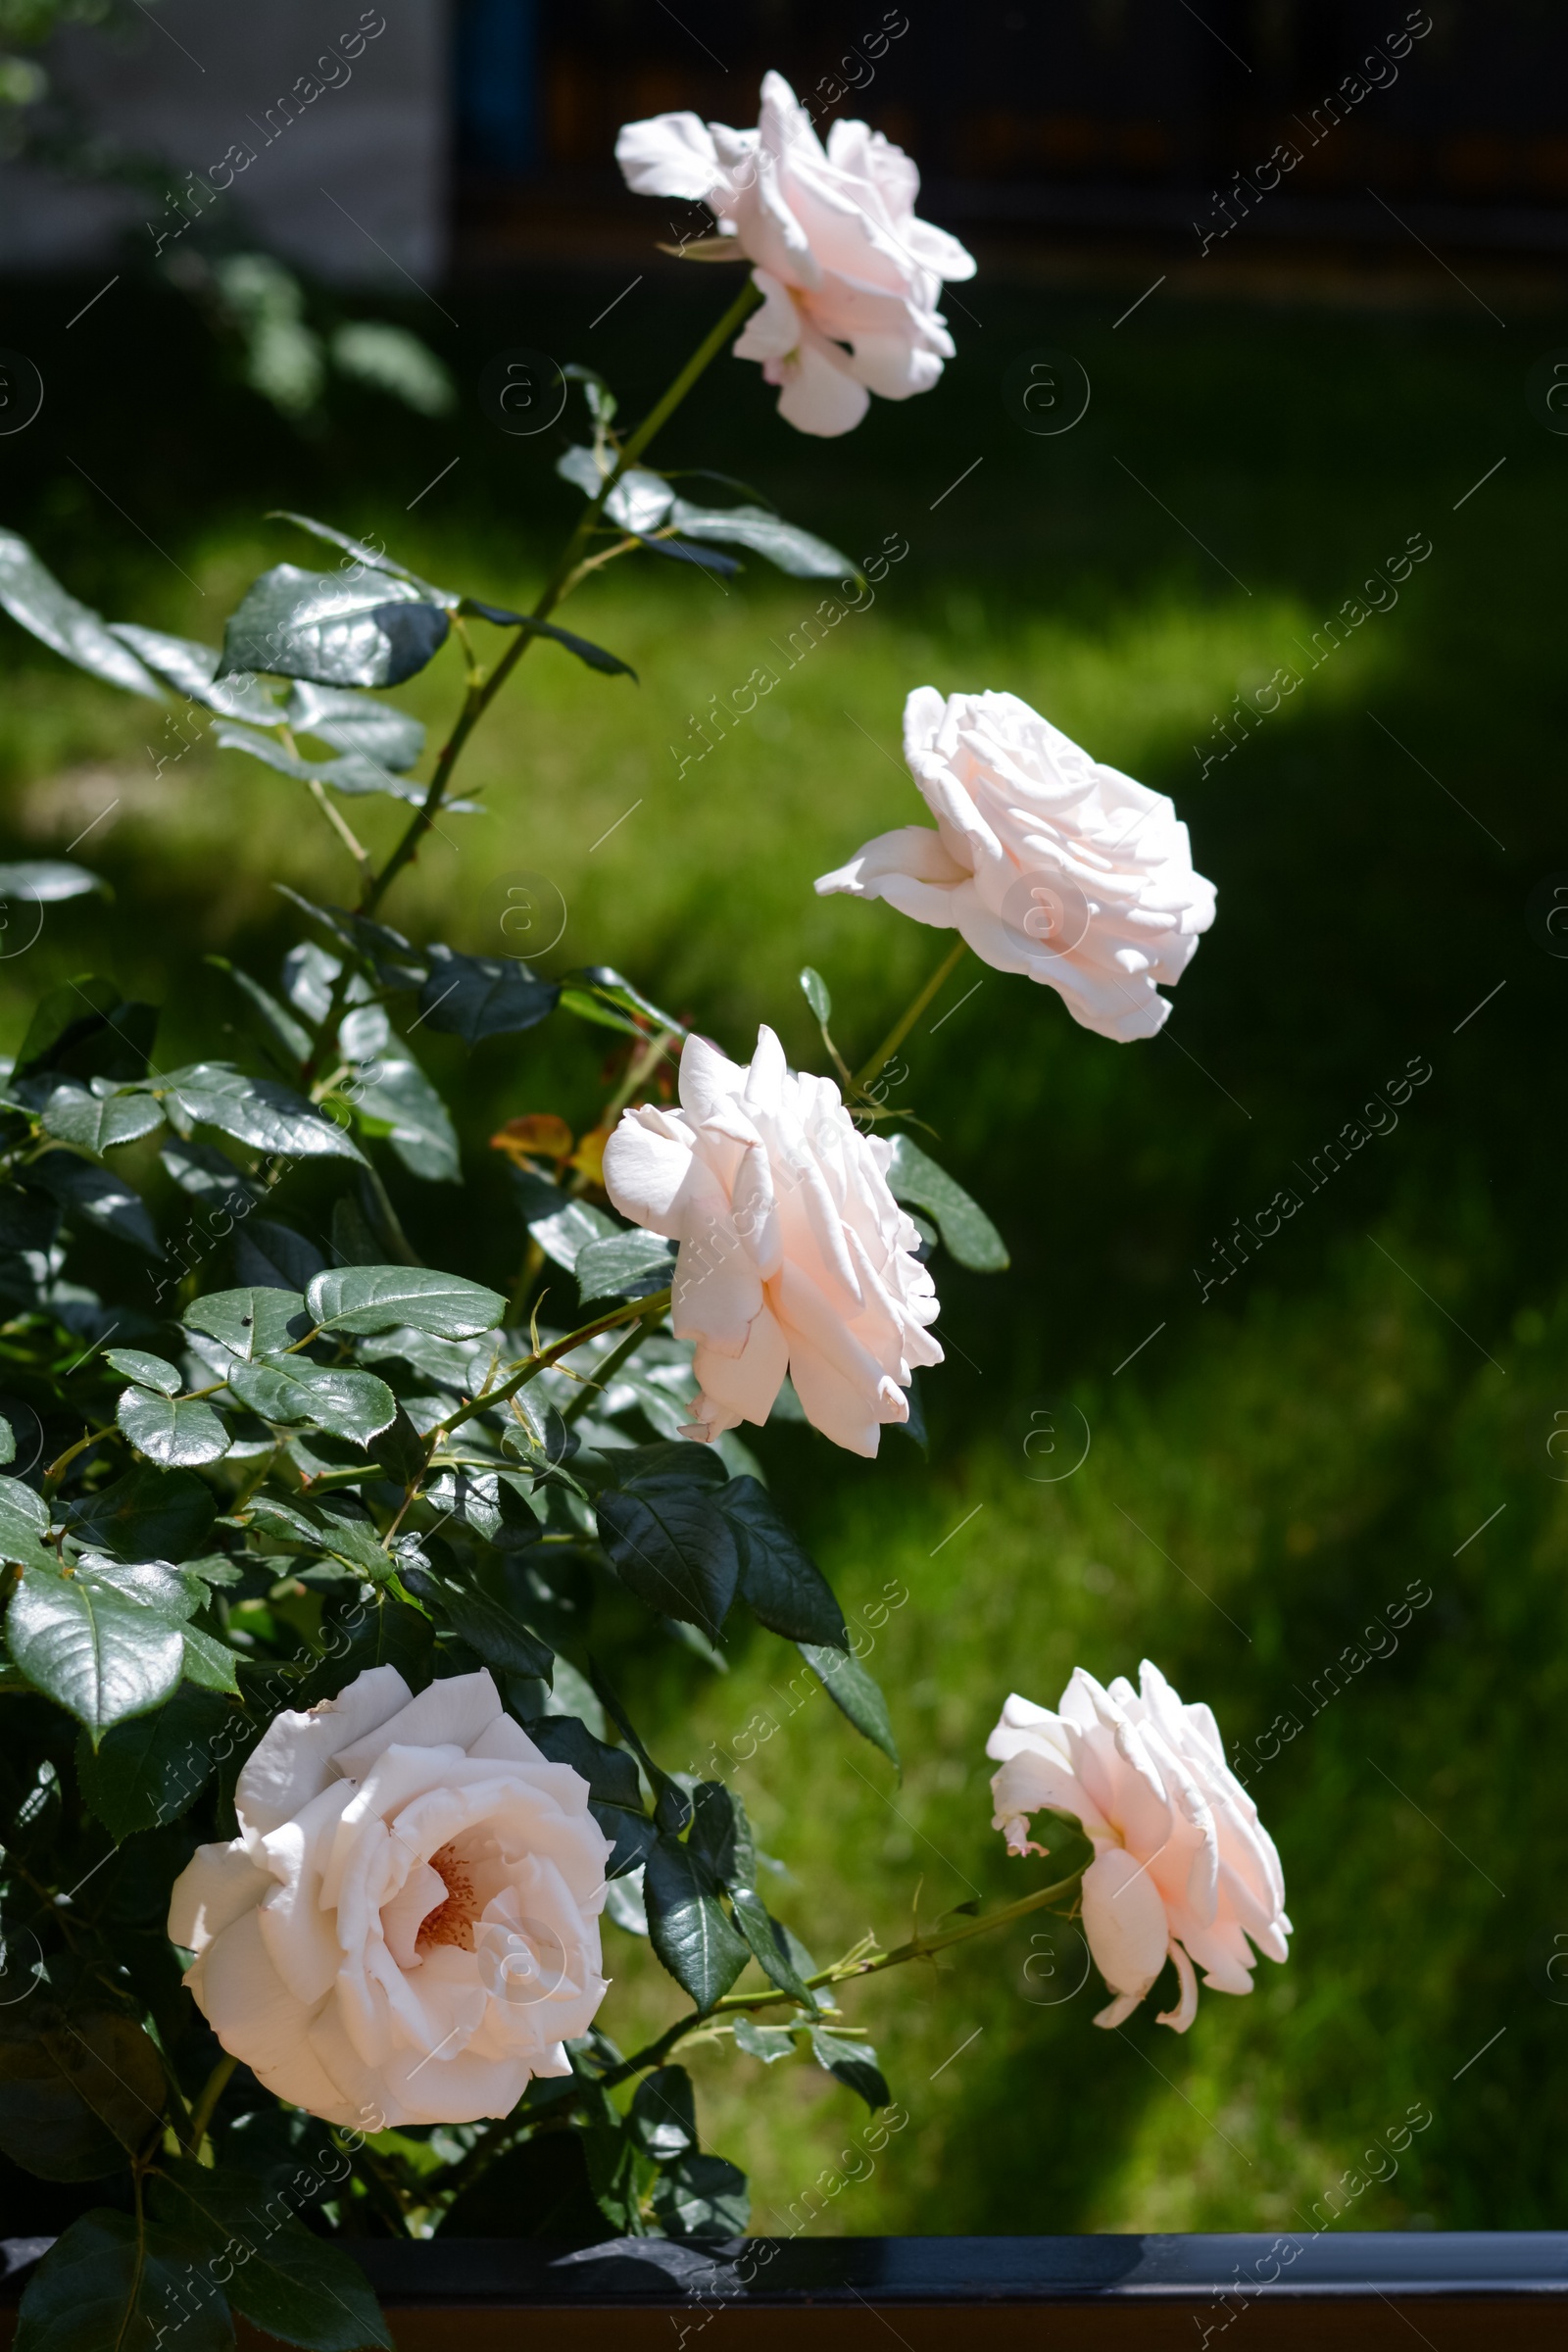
(906, 1019)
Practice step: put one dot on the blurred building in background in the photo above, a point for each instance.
(476, 133)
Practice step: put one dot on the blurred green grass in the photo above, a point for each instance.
(1271, 1469)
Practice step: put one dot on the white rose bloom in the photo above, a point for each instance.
(1046, 862)
(841, 258)
(794, 1256)
(407, 1926)
(1182, 1866)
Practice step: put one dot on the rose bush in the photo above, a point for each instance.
(408, 1922)
(1046, 862)
(1182, 1866)
(794, 1256)
(849, 278)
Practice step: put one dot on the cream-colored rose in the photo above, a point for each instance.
(1046, 862)
(407, 1926)
(850, 278)
(794, 1256)
(1182, 1866)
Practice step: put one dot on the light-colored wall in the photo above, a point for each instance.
(198, 77)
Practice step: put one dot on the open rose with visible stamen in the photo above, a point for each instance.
(407, 1925)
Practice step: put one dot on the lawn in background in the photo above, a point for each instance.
(1272, 1467)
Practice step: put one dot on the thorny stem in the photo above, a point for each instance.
(918, 1948)
(631, 1311)
(611, 1364)
(908, 1018)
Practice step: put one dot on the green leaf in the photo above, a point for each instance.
(607, 982)
(209, 1662)
(392, 360)
(44, 880)
(270, 1255)
(97, 2289)
(33, 596)
(148, 1515)
(564, 1233)
(372, 558)
(609, 666)
(855, 1692)
(23, 1520)
(615, 1797)
(474, 996)
(672, 1545)
(249, 1323)
(815, 990)
(85, 1028)
(85, 1189)
(178, 1432)
(624, 1265)
(291, 2284)
(8, 1441)
(662, 2115)
(687, 1926)
(354, 773)
(966, 1230)
(294, 1039)
(150, 1770)
(488, 1625)
(703, 2196)
(392, 1091)
(92, 1650)
(364, 1299)
(254, 1110)
(148, 1371)
(793, 550)
(588, 1008)
(99, 1116)
(193, 667)
(288, 1387)
(210, 1176)
(101, 2061)
(782, 1583)
(854, 2063)
(325, 1528)
(323, 626)
(767, 2042)
(352, 722)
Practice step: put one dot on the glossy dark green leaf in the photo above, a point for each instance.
(78, 2089)
(703, 2197)
(610, 665)
(86, 1029)
(854, 2063)
(209, 1662)
(370, 558)
(793, 550)
(624, 1265)
(210, 1176)
(352, 722)
(193, 668)
(615, 1797)
(855, 1693)
(767, 2042)
(33, 596)
(147, 1515)
(290, 1387)
(392, 1092)
(23, 1521)
(672, 1545)
(966, 1230)
(180, 1433)
(375, 631)
(325, 1528)
(488, 1623)
(98, 1117)
(474, 996)
(779, 1576)
(290, 2282)
(562, 1233)
(250, 1322)
(257, 1112)
(90, 1649)
(43, 881)
(151, 1770)
(353, 772)
(366, 1299)
(99, 2289)
(147, 1371)
(93, 1194)
(687, 1925)
(662, 2117)
(272, 1256)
